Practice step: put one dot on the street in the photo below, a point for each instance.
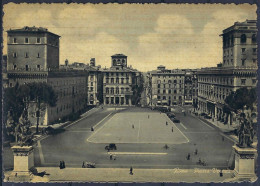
(73, 147)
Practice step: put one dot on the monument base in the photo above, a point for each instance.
(244, 162)
(23, 163)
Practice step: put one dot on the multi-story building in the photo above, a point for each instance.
(33, 56)
(95, 83)
(118, 82)
(166, 86)
(239, 69)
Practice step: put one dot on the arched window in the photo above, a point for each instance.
(243, 38)
(253, 38)
(169, 81)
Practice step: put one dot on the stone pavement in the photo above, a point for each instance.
(54, 174)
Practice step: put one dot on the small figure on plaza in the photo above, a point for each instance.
(131, 170)
(83, 165)
(166, 123)
(133, 126)
(188, 157)
(172, 129)
(196, 151)
(92, 129)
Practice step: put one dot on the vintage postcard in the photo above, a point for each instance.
(129, 93)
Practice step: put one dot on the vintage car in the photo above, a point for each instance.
(111, 146)
(89, 165)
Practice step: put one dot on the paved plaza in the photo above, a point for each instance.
(143, 127)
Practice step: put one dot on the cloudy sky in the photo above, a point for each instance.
(177, 36)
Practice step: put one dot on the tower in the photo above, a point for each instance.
(119, 60)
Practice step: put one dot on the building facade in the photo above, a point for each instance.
(95, 83)
(239, 69)
(167, 87)
(118, 82)
(33, 56)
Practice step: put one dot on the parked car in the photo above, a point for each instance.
(170, 115)
(89, 165)
(176, 120)
(111, 146)
(207, 117)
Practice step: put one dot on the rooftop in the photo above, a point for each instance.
(248, 25)
(31, 29)
(118, 55)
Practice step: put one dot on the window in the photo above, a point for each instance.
(253, 38)
(127, 80)
(112, 90)
(253, 81)
(107, 80)
(122, 90)
(243, 62)
(243, 38)
(159, 86)
(231, 61)
(112, 80)
(14, 40)
(107, 90)
(164, 91)
(158, 97)
(243, 50)
(170, 92)
(26, 55)
(26, 40)
(158, 81)
(243, 81)
(254, 60)
(159, 91)
(91, 84)
(117, 90)
(38, 40)
(175, 91)
(26, 67)
(14, 67)
(164, 97)
(122, 80)
(38, 67)
(14, 54)
(38, 55)
(254, 50)
(117, 80)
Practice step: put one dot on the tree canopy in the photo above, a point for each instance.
(240, 98)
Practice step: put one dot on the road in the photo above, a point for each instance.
(72, 145)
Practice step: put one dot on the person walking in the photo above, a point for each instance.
(133, 126)
(83, 164)
(131, 170)
(188, 157)
(172, 129)
(111, 156)
(166, 123)
(60, 164)
(196, 151)
(221, 173)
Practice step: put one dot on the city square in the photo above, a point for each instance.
(162, 94)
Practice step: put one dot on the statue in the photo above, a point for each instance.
(22, 130)
(246, 131)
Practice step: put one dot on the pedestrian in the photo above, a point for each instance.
(83, 164)
(63, 164)
(111, 156)
(166, 123)
(60, 164)
(199, 161)
(221, 173)
(133, 126)
(131, 170)
(188, 157)
(196, 151)
(172, 129)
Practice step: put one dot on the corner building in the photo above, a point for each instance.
(239, 69)
(33, 56)
(118, 82)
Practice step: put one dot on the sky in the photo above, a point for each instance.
(173, 35)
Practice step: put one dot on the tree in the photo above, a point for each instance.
(16, 102)
(242, 97)
(41, 93)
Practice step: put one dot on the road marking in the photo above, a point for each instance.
(100, 128)
(178, 129)
(136, 153)
(138, 134)
(40, 152)
(102, 120)
(183, 126)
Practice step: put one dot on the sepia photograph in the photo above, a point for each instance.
(114, 93)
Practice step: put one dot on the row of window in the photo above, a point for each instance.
(169, 91)
(169, 76)
(109, 74)
(26, 55)
(117, 100)
(216, 80)
(164, 97)
(112, 80)
(168, 86)
(27, 68)
(26, 40)
(229, 41)
(112, 90)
